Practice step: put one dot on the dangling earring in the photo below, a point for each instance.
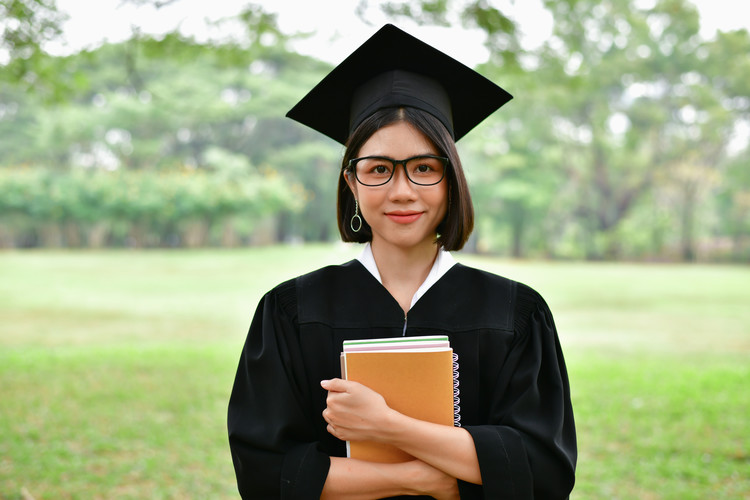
(356, 219)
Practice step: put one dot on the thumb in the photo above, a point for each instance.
(334, 385)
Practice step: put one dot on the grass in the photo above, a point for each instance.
(116, 367)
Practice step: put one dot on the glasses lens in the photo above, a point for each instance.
(426, 170)
(374, 171)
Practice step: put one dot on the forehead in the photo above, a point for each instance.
(397, 140)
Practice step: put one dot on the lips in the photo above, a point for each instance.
(404, 216)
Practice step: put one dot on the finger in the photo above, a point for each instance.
(331, 430)
(335, 385)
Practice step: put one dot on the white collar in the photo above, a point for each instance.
(443, 262)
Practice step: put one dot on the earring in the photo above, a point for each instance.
(356, 219)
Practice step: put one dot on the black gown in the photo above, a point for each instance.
(515, 398)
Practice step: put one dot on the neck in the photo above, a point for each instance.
(403, 270)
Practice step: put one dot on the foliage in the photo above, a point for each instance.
(627, 137)
(501, 37)
(137, 208)
(25, 25)
(147, 105)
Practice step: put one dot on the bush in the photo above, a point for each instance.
(43, 207)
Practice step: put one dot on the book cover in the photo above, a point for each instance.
(415, 375)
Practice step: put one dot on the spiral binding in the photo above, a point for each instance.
(456, 392)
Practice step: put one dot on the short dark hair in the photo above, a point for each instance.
(458, 223)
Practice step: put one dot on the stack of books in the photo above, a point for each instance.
(417, 376)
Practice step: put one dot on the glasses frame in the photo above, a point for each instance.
(352, 167)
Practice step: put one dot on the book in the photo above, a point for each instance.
(417, 376)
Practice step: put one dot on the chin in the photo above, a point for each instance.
(410, 241)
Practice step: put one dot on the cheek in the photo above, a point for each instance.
(440, 199)
(369, 201)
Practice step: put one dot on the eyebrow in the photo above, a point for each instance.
(398, 159)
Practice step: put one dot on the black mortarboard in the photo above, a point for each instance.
(392, 69)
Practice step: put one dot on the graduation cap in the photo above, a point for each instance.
(394, 69)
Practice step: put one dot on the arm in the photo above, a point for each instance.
(449, 449)
(274, 444)
(357, 413)
(525, 439)
(351, 479)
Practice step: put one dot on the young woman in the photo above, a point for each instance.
(402, 192)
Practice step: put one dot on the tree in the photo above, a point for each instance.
(25, 26)
(625, 139)
(728, 70)
(501, 37)
(147, 104)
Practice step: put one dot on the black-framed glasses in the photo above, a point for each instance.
(423, 170)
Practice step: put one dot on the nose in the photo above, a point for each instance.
(401, 186)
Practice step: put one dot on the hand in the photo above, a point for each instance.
(427, 480)
(354, 412)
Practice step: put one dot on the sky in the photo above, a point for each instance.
(338, 29)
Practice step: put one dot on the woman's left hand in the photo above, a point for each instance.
(354, 412)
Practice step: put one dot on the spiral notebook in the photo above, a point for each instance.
(417, 376)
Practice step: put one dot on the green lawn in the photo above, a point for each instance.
(115, 370)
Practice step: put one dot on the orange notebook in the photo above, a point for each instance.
(415, 375)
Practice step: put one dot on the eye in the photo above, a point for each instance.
(374, 168)
(377, 166)
(425, 166)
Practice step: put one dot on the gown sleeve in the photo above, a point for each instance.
(273, 443)
(528, 448)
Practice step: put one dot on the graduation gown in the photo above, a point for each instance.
(515, 399)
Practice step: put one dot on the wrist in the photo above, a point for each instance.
(416, 477)
(423, 479)
(393, 428)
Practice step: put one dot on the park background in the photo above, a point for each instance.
(151, 191)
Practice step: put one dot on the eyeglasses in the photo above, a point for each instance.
(425, 170)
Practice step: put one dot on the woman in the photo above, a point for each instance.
(399, 106)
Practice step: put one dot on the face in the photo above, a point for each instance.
(400, 213)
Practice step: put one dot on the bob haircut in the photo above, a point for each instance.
(458, 223)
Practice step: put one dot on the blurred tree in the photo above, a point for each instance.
(628, 136)
(597, 54)
(501, 37)
(512, 164)
(726, 62)
(25, 26)
(147, 103)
